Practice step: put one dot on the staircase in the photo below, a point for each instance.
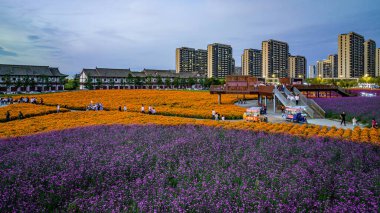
(312, 108)
(281, 97)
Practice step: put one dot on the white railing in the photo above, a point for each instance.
(281, 97)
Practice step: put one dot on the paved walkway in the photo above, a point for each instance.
(275, 117)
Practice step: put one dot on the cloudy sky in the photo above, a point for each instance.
(141, 34)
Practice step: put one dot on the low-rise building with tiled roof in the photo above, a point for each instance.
(30, 78)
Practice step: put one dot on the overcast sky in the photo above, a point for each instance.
(141, 34)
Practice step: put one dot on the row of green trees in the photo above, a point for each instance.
(347, 83)
(29, 81)
(139, 81)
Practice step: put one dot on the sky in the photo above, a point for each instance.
(138, 34)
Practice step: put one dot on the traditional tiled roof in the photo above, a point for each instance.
(162, 73)
(107, 73)
(29, 70)
(123, 73)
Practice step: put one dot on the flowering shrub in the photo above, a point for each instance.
(28, 110)
(176, 103)
(78, 119)
(363, 108)
(185, 168)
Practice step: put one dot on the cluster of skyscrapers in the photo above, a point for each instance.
(273, 61)
(356, 58)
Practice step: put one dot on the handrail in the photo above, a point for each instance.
(316, 107)
(304, 101)
(287, 92)
(281, 97)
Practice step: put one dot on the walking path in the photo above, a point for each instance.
(275, 117)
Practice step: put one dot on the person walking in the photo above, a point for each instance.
(125, 108)
(20, 115)
(58, 108)
(354, 122)
(213, 114)
(297, 97)
(343, 118)
(8, 116)
(119, 108)
(374, 123)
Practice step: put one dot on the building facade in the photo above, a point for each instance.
(297, 67)
(324, 69)
(251, 62)
(378, 62)
(220, 61)
(312, 73)
(370, 58)
(201, 61)
(106, 78)
(275, 59)
(333, 59)
(191, 60)
(350, 55)
(30, 78)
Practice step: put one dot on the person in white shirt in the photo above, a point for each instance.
(58, 108)
(142, 108)
(125, 108)
(150, 110)
(354, 122)
(223, 118)
(297, 97)
(216, 116)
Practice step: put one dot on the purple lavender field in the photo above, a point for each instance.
(363, 108)
(185, 168)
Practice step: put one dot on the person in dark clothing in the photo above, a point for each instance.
(343, 118)
(119, 108)
(8, 116)
(20, 115)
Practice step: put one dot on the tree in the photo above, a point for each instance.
(168, 83)
(32, 82)
(176, 82)
(26, 82)
(18, 83)
(112, 82)
(159, 80)
(130, 79)
(191, 81)
(138, 81)
(99, 83)
(183, 82)
(62, 80)
(88, 84)
(149, 79)
(8, 81)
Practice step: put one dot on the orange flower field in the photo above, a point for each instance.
(28, 110)
(78, 119)
(167, 102)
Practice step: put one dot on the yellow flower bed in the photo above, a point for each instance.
(28, 110)
(80, 119)
(167, 102)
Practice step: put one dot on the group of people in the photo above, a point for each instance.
(216, 116)
(374, 123)
(95, 107)
(151, 110)
(6, 101)
(124, 108)
(8, 116)
(294, 98)
(242, 101)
